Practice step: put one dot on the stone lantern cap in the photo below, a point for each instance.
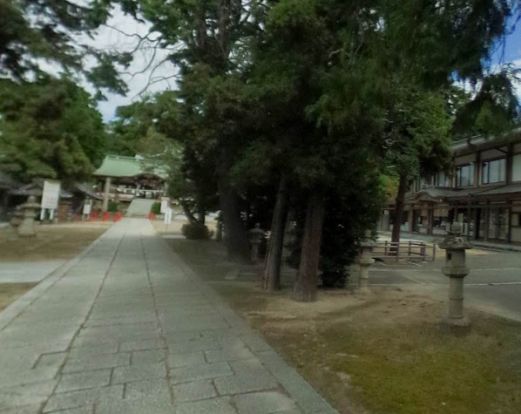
(368, 242)
(454, 239)
(256, 234)
(30, 204)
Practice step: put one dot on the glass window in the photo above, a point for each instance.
(465, 175)
(493, 171)
(441, 180)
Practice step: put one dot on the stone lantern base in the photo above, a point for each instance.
(460, 326)
(457, 323)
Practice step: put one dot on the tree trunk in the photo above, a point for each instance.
(398, 209)
(235, 235)
(276, 244)
(188, 213)
(201, 215)
(305, 289)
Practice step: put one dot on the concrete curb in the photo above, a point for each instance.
(16, 308)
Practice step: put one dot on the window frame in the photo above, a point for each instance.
(488, 175)
(512, 168)
(471, 175)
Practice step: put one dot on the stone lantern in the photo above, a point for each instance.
(365, 261)
(29, 209)
(455, 269)
(255, 236)
(17, 217)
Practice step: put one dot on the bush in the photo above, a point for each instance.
(113, 206)
(156, 208)
(195, 231)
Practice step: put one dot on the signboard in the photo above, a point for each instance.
(87, 207)
(165, 204)
(51, 194)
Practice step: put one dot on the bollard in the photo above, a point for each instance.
(455, 268)
(365, 261)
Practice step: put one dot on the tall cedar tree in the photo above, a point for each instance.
(209, 39)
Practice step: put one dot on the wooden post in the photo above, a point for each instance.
(509, 222)
(487, 219)
(106, 194)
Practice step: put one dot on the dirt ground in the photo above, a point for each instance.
(53, 241)
(382, 353)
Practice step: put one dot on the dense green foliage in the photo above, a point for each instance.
(50, 129)
(195, 231)
(324, 96)
(316, 98)
(156, 208)
(34, 32)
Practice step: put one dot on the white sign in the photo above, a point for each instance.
(87, 207)
(165, 204)
(51, 194)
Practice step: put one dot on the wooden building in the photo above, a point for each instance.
(483, 192)
(122, 179)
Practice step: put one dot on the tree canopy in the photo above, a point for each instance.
(50, 128)
(313, 97)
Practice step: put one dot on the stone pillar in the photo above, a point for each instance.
(354, 276)
(430, 220)
(219, 227)
(386, 221)
(106, 194)
(255, 237)
(26, 227)
(455, 268)
(410, 220)
(365, 261)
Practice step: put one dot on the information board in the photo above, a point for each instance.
(51, 194)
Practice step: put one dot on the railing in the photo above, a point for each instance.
(412, 250)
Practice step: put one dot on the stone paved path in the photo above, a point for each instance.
(128, 328)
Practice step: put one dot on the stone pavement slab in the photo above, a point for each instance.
(127, 327)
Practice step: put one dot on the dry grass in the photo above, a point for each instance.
(380, 354)
(53, 242)
(57, 241)
(9, 292)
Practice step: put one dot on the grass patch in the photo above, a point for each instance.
(383, 354)
(51, 242)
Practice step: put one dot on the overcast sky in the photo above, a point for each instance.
(143, 76)
(110, 37)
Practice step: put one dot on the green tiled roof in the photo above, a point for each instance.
(121, 166)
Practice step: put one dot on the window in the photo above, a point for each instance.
(441, 180)
(493, 171)
(465, 175)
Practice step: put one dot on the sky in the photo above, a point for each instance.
(147, 74)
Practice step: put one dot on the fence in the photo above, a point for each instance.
(412, 250)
